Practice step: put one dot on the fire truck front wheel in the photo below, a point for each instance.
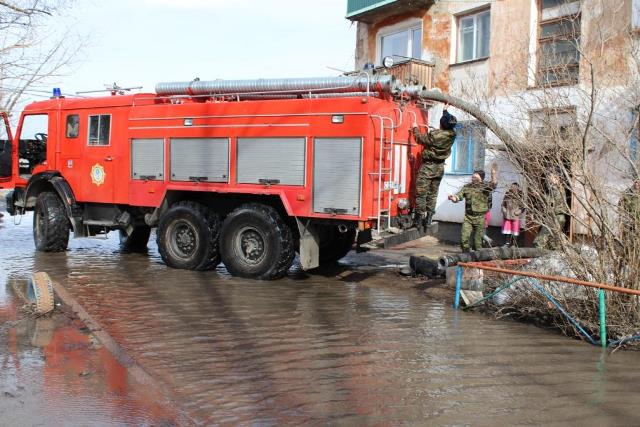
(50, 223)
(256, 243)
(187, 237)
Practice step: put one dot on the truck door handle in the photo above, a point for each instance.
(108, 159)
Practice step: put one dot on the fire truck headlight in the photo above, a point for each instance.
(403, 204)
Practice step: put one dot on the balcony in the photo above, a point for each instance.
(371, 10)
(409, 72)
(412, 72)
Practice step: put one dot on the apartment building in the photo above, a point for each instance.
(528, 62)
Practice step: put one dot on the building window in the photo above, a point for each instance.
(551, 125)
(635, 14)
(403, 44)
(73, 126)
(468, 148)
(99, 129)
(474, 36)
(559, 42)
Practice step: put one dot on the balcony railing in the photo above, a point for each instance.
(412, 72)
(370, 10)
(356, 7)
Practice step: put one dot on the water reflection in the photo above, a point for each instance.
(321, 348)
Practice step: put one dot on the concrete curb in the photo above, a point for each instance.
(136, 371)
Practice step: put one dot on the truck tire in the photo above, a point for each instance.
(188, 235)
(50, 223)
(136, 241)
(256, 243)
(335, 245)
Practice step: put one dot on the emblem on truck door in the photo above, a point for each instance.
(98, 174)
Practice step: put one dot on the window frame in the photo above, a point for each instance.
(574, 36)
(89, 144)
(471, 14)
(417, 26)
(471, 126)
(551, 115)
(66, 131)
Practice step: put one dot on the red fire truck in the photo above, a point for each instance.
(244, 172)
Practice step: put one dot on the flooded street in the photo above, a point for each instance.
(346, 347)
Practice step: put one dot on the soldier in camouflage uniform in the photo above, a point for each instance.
(558, 208)
(476, 195)
(629, 210)
(437, 148)
(629, 218)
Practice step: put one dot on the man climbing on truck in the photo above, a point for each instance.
(437, 148)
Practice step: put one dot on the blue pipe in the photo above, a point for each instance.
(564, 312)
(456, 296)
(603, 318)
(624, 340)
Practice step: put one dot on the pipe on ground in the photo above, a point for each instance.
(489, 255)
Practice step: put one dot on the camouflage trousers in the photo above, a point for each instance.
(544, 238)
(472, 229)
(427, 192)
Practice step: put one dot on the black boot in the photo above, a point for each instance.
(428, 219)
(417, 220)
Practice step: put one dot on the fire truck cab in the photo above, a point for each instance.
(248, 178)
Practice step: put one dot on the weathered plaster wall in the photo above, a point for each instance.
(509, 57)
(436, 43)
(606, 41)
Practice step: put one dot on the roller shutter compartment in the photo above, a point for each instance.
(200, 159)
(336, 175)
(277, 161)
(147, 159)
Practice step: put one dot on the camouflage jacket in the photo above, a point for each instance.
(437, 148)
(437, 145)
(477, 197)
(558, 201)
(630, 207)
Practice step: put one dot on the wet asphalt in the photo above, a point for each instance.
(357, 344)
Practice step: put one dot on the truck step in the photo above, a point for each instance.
(388, 239)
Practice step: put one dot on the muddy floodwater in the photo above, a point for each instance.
(343, 347)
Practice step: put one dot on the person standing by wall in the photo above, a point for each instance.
(437, 148)
(476, 196)
(557, 207)
(512, 209)
(629, 210)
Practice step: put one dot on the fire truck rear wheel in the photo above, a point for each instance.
(50, 223)
(335, 245)
(188, 235)
(136, 241)
(256, 243)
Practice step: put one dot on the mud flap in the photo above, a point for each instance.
(309, 244)
(10, 203)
